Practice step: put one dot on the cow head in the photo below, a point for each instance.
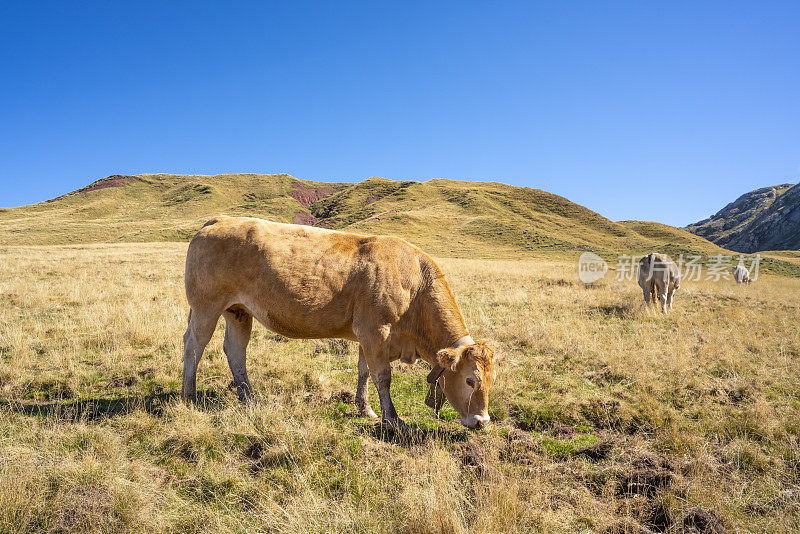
(469, 374)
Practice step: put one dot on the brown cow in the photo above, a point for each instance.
(306, 282)
(659, 278)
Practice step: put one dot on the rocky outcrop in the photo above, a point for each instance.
(764, 219)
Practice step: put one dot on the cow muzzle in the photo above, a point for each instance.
(475, 421)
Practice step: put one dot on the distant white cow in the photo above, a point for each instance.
(659, 278)
(741, 274)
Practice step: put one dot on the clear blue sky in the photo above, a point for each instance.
(639, 110)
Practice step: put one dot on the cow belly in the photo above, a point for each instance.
(298, 322)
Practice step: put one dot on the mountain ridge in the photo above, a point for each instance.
(764, 219)
(446, 217)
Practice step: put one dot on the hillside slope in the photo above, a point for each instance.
(764, 219)
(445, 217)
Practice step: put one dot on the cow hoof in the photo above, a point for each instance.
(368, 412)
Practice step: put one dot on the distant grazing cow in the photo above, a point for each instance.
(306, 282)
(741, 274)
(659, 278)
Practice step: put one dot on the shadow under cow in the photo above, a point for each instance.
(615, 310)
(409, 435)
(104, 408)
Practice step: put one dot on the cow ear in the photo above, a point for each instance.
(448, 358)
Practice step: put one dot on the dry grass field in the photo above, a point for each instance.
(607, 417)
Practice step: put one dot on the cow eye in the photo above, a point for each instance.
(471, 381)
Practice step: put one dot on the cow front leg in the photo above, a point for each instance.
(381, 372)
(382, 378)
(362, 389)
(374, 342)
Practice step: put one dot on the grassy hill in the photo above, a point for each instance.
(445, 217)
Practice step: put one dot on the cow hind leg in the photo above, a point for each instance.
(362, 389)
(670, 295)
(662, 297)
(198, 334)
(238, 326)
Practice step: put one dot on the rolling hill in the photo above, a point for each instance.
(764, 219)
(446, 217)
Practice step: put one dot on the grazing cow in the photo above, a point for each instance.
(659, 278)
(741, 274)
(311, 283)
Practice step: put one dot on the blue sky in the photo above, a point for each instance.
(638, 110)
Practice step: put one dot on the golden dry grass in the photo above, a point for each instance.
(608, 416)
